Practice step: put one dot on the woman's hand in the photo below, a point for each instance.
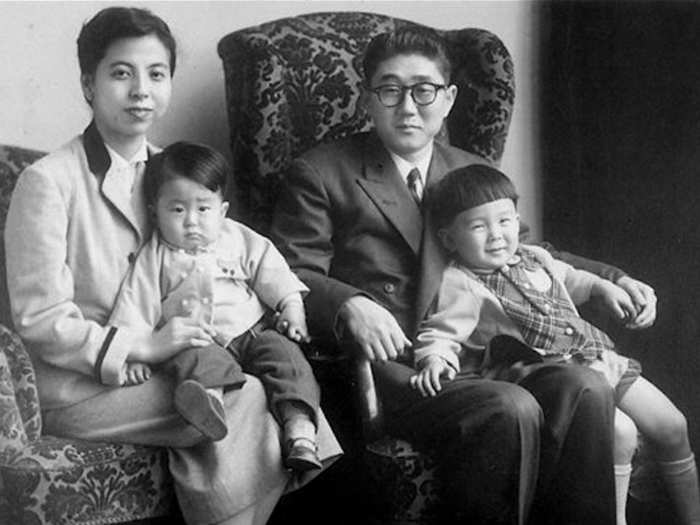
(176, 335)
(427, 380)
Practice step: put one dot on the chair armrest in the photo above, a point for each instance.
(13, 437)
(366, 399)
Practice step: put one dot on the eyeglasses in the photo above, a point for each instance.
(422, 93)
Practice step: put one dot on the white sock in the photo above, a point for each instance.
(300, 427)
(681, 480)
(622, 483)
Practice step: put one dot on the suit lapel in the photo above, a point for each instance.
(387, 190)
(432, 257)
(112, 186)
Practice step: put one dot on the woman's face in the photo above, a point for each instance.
(130, 89)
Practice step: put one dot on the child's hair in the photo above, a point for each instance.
(465, 188)
(196, 162)
(409, 40)
(113, 23)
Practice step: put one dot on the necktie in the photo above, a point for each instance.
(414, 183)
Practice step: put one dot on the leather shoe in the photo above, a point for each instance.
(201, 409)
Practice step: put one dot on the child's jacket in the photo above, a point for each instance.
(231, 284)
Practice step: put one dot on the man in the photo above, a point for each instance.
(350, 223)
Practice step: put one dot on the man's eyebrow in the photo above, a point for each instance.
(411, 80)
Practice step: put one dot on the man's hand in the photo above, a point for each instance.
(618, 303)
(427, 380)
(644, 299)
(374, 328)
(291, 320)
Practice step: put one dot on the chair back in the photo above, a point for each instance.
(13, 160)
(294, 82)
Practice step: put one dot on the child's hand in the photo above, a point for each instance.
(291, 321)
(644, 299)
(136, 373)
(427, 380)
(617, 301)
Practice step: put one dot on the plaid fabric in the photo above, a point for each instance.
(547, 320)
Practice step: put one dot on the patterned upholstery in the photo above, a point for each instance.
(294, 82)
(48, 480)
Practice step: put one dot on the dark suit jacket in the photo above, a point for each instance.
(348, 225)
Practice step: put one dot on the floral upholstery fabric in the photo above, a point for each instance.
(294, 82)
(49, 480)
(403, 482)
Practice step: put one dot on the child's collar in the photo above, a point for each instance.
(517, 258)
(209, 248)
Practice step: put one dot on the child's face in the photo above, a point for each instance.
(484, 237)
(130, 88)
(188, 214)
(406, 129)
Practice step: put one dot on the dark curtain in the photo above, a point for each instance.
(621, 164)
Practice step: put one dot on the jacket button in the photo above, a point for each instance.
(568, 330)
(389, 287)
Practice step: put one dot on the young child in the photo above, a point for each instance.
(199, 264)
(494, 286)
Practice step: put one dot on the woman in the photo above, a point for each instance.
(75, 222)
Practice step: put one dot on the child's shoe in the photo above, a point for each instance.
(202, 409)
(301, 455)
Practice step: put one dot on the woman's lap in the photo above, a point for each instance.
(214, 480)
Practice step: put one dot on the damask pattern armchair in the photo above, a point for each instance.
(293, 83)
(55, 481)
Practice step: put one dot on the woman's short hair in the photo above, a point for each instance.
(465, 188)
(113, 23)
(408, 40)
(189, 160)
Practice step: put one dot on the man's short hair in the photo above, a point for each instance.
(409, 40)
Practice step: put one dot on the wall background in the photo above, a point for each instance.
(41, 104)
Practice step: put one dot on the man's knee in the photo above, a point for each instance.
(515, 405)
(579, 384)
(593, 386)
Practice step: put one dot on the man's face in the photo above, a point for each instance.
(408, 128)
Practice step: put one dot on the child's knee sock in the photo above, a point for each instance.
(681, 480)
(297, 421)
(622, 483)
